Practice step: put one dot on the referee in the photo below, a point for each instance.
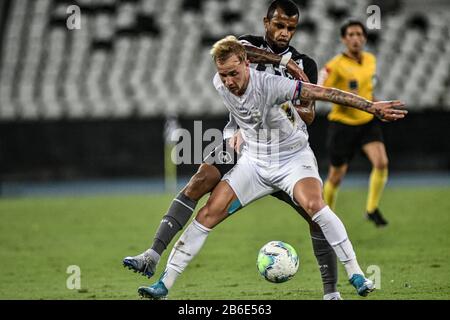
(352, 130)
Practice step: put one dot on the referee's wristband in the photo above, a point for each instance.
(285, 59)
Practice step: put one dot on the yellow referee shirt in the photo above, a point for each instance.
(347, 74)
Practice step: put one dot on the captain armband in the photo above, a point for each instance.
(297, 93)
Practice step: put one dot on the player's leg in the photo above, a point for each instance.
(341, 144)
(243, 183)
(308, 193)
(331, 186)
(376, 153)
(217, 208)
(324, 253)
(208, 175)
(182, 207)
(175, 219)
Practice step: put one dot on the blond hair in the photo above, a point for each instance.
(226, 47)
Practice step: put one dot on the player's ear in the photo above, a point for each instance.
(266, 23)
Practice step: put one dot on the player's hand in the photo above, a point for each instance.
(306, 111)
(296, 71)
(389, 110)
(236, 141)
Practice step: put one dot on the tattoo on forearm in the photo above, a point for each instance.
(256, 55)
(335, 95)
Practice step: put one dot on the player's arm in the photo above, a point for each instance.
(385, 110)
(232, 134)
(257, 55)
(306, 109)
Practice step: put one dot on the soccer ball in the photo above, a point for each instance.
(277, 261)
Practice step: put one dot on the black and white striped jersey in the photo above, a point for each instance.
(306, 63)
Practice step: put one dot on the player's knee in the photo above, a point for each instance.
(381, 164)
(208, 217)
(335, 180)
(336, 177)
(313, 206)
(202, 216)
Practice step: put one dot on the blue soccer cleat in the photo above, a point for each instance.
(142, 263)
(362, 285)
(156, 291)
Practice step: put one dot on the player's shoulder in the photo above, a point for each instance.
(296, 55)
(304, 58)
(256, 41)
(259, 75)
(336, 60)
(369, 56)
(261, 79)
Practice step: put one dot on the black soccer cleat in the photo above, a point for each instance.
(377, 218)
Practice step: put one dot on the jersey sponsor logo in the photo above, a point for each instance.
(288, 110)
(353, 84)
(304, 128)
(168, 222)
(256, 115)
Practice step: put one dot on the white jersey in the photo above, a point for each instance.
(267, 131)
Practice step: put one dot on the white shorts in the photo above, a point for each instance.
(251, 179)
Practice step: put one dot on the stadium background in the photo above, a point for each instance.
(92, 103)
(85, 111)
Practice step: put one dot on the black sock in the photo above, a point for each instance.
(175, 219)
(326, 258)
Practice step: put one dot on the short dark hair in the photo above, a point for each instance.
(352, 22)
(289, 7)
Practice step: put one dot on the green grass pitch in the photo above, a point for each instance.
(41, 237)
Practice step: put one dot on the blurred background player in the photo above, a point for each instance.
(352, 130)
(273, 54)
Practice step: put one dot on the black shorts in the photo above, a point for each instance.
(223, 157)
(344, 141)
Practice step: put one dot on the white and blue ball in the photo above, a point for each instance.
(277, 261)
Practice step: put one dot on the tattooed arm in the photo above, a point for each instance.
(306, 109)
(256, 55)
(384, 110)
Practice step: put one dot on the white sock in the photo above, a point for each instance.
(336, 235)
(184, 250)
(352, 267)
(169, 276)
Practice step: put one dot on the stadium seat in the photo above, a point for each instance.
(142, 57)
